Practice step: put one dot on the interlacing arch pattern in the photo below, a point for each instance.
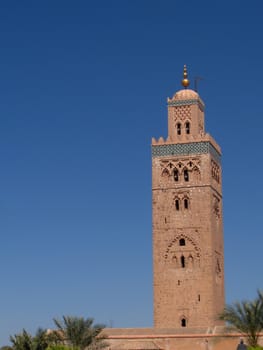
(181, 171)
(215, 171)
(183, 252)
(216, 207)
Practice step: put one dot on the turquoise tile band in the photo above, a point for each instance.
(185, 149)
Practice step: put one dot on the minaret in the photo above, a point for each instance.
(188, 257)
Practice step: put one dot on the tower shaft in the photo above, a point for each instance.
(188, 257)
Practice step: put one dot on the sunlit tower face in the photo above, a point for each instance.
(188, 256)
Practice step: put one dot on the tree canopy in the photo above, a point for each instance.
(246, 317)
(79, 332)
(71, 333)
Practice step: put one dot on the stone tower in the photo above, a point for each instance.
(188, 257)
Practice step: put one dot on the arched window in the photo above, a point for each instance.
(186, 175)
(177, 204)
(183, 322)
(176, 175)
(165, 173)
(182, 242)
(187, 128)
(186, 204)
(179, 128)
(182, 261)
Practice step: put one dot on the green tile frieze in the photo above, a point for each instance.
(184, 149)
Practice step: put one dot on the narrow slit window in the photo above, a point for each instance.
(187, 128)
(177, 204)
(182, 261)
(186, 175)
(186, 204)
(178, 126)
(176, 175)
(183, 322)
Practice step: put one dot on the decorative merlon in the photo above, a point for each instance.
(187, 139)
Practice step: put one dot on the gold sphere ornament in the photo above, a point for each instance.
(185, 82)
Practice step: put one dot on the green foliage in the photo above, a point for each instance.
(22, 341)
(41, 340)
(25, 341)
(60, 347)
(255, 348)
(72, 333)
(246, 317)
(78, 332)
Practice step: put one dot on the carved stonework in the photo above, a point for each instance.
(175, 169)
(201, 127)
(216, 207)
(218, 267)
(183, 245)
(215, 171)
(182, 113)
(187, 220)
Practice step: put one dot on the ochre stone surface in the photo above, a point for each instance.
(172, 339)
(188, 256)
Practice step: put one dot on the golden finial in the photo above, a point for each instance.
(185, 82)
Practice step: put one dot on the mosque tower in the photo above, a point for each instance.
(188, 256)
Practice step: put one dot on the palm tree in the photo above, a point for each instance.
(260, 297)
(25, 341)
(246, 317)
(22, 341)
(80, 333)
(42, 339)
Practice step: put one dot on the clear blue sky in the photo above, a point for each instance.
(83, 88)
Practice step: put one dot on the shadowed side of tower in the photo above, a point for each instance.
(188, 257)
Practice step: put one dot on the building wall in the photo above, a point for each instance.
(172, 339)
(188, 260)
